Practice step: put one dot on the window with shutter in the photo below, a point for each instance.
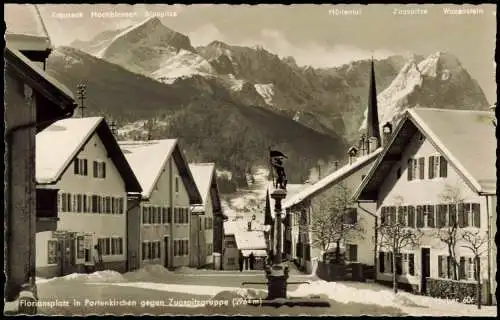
(467, 214)
(94, 167)
(421, 168)
(420, 217)
(120, 245)
(391, 267)
(461, 269)
(85, 166)
(169, 215)
(187, 247)
(144, 216)
(104, 170)
(429, 213)
(431, 167)
(76, 168)
(476, 213)
(410, 169)
(411, 216)
(381, 262)
(443, 167)
(352, 250)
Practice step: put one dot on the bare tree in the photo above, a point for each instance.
(335, 219)
(449, 233)
(475, 241)
(395, 235)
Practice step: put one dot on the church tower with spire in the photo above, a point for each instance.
(372, 124)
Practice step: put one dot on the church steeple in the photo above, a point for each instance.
(372, 125)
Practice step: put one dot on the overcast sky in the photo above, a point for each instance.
(313, 35)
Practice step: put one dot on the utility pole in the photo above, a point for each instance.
(81, 92)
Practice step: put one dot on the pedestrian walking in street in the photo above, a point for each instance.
(251, 257)
(240, 261)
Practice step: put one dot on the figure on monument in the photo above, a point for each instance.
(277, 159)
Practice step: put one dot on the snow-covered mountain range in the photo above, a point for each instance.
(330, 100)
(228, 103)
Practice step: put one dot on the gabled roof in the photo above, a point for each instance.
(331, 179)
(25, 29)
(60, 143)
(204, 177)
(149, 158)
(466, 138)
(39, 80)
(203, 174)
(245, 239)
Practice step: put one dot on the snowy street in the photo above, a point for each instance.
(156, 291)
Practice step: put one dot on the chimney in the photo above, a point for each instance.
(372, 144)
(353, 154)
(387, 132)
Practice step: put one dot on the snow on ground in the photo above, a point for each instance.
(155, 283)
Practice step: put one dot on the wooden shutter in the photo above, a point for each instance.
(410, 169)
(443, 167)
(383, 217)
(390, 262)
(441, 216)
(381, 262)
(393, 215)
(476, 214)
(440, 266)
(169, 215)
(461, 214)
(411, 264)
(452, 215)
(76, 163)
(104, 169)
(420, 217)
(421, 168)
(431, 167)
(84, 170)
(94, 167)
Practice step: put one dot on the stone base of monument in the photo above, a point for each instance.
(277, 276)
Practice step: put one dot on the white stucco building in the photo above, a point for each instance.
(82, 160)
(431, 151)
(167, 200)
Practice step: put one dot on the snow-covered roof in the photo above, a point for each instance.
(59, 86)
(58, 144)
(147, 159)
(203, 173)
(245, 239)
(25, 29)
(466, 138)
(336, 176)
